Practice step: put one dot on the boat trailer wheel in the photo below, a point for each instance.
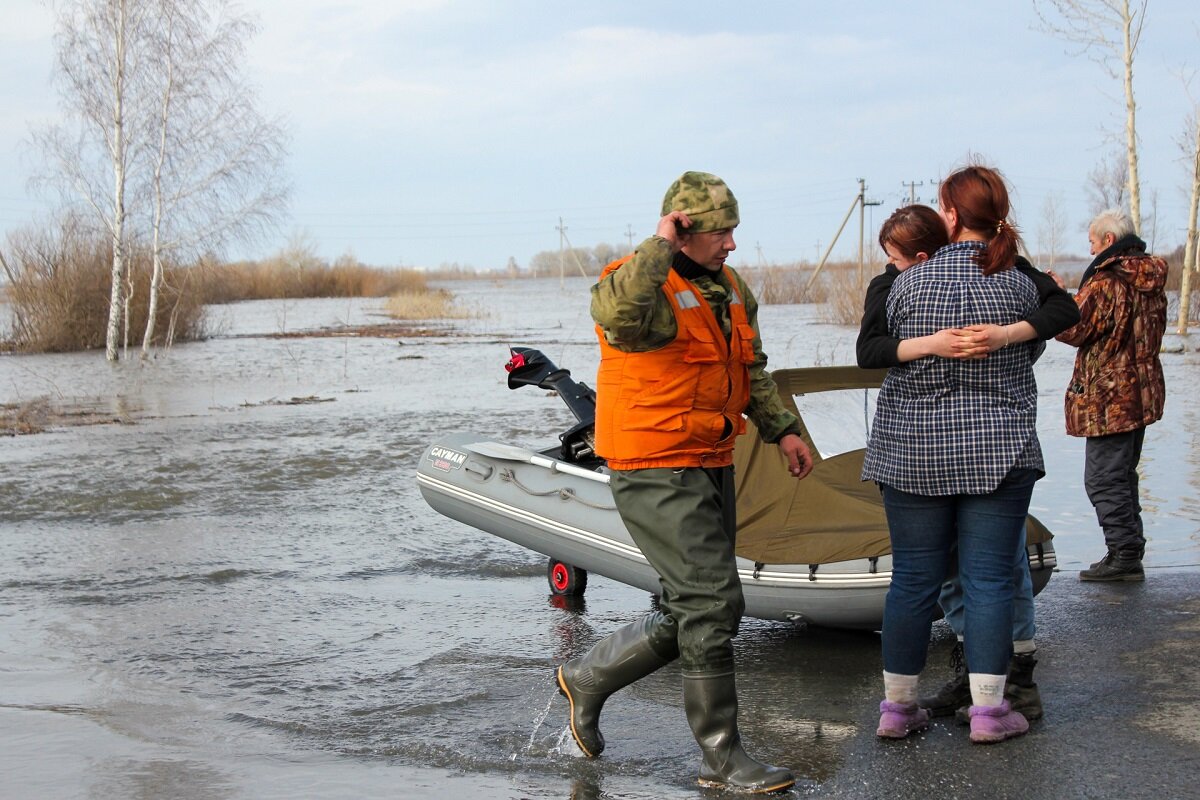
(565, 579)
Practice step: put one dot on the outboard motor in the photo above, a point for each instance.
(529, 367)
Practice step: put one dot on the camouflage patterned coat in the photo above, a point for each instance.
(1117, 384)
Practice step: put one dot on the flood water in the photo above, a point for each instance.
(229, 594)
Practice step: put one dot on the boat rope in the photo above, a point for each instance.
(564, 493)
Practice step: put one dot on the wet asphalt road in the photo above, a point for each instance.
(1119, 673)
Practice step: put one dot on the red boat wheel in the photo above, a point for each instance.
(565, 579)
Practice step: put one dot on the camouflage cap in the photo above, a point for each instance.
(705, 199)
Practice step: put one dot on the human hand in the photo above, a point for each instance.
(1057, 278)
(957, 343)
(976, 341)
(669, 228)
(800, 461)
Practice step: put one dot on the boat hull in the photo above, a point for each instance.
(566, 513)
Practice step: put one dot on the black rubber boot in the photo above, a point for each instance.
(616, 661)
(1020, 691)
(710, 700)
(1116, 566)
(956, 693)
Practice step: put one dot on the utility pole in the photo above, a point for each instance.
(934, 183)
(857, 199)
(863, 202)
(758, 249)
(912, 190)
(562, 238)
(629, 235)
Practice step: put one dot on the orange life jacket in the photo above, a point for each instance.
(670, 407)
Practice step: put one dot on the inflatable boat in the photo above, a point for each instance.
(811, 552)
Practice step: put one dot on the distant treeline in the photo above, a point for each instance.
(59, 286)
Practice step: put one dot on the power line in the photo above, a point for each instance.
(912, 190)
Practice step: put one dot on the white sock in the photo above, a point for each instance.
(987, 690)
(1024, 647)
(899, 688)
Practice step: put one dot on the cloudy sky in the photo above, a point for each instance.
(429, 132)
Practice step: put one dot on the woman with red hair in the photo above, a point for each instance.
(954, 449)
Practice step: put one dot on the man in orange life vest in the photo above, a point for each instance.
(681, 361)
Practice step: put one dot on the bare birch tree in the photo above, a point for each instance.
(217, 163)
(1052, 229)
(157, 110)
(1109, 31)
(92, 154)
(1191, 246)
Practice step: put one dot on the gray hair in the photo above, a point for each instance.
(1114, 221)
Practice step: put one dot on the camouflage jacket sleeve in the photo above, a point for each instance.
(629, 305)
(1097, 307)
(766, 410)
(1057, 310)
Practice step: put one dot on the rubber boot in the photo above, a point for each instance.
(616, 661)
(1020, 691)
(956, 693)
(710, 700)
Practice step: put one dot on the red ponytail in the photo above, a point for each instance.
(980, 198)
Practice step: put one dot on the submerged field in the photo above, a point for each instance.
(235, 590)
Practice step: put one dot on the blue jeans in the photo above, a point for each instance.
(951, 597)
(987, 529)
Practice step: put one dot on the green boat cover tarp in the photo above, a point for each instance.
(832, 515)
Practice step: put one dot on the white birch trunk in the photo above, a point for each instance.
(156, 239)
(1135, 193)
(1191, 257)
(116, 303)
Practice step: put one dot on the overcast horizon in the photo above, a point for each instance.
(436, 132)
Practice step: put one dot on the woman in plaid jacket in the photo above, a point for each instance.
(955, 451)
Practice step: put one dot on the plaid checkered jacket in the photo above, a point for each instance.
(944, 426)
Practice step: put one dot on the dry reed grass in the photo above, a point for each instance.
(845, 292)
(32, 416)
(59, 293)
(60, 280)
(424, 305)
(837, 290)
(779, 284)
(295, 275)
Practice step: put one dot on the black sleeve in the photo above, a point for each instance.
(1057, 310)
(875, 347)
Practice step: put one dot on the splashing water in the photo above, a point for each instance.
(537, 725)
(566, 746)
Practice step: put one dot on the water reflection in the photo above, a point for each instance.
(156, 779)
